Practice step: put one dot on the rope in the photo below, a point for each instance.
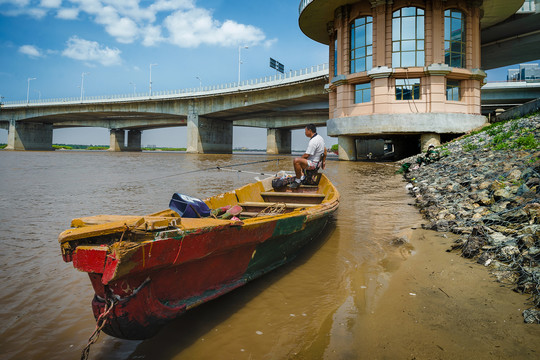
(274, 209)
(100, 323)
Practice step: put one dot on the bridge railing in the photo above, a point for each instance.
(252, 84)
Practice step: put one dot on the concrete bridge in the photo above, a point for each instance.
(278, 103)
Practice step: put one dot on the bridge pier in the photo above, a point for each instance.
(117, 142)
(207, 136)
(29, 136)
(134, 140)
(278, 141)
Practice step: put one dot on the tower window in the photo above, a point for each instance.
(453, 92)
(407, 89)
(408, 37)
(362, 93)
(362, 44)
(454, 38)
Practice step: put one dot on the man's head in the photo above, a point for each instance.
(310, 130)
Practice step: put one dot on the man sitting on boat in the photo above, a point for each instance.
(314, 157)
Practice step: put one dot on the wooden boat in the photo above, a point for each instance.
(147, 270)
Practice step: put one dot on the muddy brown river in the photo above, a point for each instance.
(320, 306)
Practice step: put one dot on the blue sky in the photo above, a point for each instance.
(114, 42)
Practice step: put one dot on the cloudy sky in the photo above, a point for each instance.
(113, 42)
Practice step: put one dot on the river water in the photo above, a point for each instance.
(306, 309)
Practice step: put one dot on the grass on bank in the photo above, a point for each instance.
(504, 137)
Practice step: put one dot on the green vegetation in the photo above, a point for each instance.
(3, 146)
(64, 147)
(469, 147)
(97, 148)
(334, 148)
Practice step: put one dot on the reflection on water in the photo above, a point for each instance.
(306, 309)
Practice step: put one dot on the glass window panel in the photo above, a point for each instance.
(361, 52)
(361, 64)
(420, 45)
(369, 62)
(360, 36)
(456, 25)
(447, 30)
(360, 21)
(399, 94)
(400, 82)
(396, 14)
(408, 11)
(420, 58)
(369, 50)
(366, 95)
(396, 29)
(417, 92)
(396, 46)
(408, 45)
(446, 12)
(369, 33)
(408, 31)
(420, 28)
(447, 46)
(456, 47)
(396, 59)
(420, 11)
(408, 59)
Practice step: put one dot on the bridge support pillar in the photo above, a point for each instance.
(118, 138)
(430, 138)
(134, 140)
(208, 136)
(278, 141)
(29, 136)
(346, 148)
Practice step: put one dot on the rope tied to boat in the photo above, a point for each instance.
(274, 209)
(100, 324)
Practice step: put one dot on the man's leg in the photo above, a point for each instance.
(299, 164)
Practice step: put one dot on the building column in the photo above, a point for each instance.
(117, 140)
(429, 138)
(346, 148)
(206, 136)
(278, 141)
(29, 136)
(134, 140)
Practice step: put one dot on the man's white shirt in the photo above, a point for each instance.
(315, 148)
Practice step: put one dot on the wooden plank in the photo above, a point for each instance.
(291, 194)
(251, 204)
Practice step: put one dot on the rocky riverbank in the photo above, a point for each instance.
(486, 188)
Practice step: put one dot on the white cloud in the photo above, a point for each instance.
(91, 51)
(195, 27)
(51, 3)
(184, 25)
(68, 14)
(31, 51)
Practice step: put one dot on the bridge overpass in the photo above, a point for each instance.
(278, 103)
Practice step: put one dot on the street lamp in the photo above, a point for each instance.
(28, 90)
(200, 82)
(240, 61)
(134, 87)
(82, 84)
(150, 91)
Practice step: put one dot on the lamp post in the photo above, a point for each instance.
(134, 87)
(28, 90)
(200, 82)
(240, 60)
(82, 84)
(150, 88)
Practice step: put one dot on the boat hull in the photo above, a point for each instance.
(167, 293)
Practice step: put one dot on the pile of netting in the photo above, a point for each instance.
(486, 188)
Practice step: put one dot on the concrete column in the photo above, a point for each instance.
(346, 148)
(429, 138)
(29, 136)
(278, 141)
(206, 136)
(117, 140)
(134, 140)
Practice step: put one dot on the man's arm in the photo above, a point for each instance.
(305, 156)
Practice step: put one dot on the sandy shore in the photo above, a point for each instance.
(441, 306)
